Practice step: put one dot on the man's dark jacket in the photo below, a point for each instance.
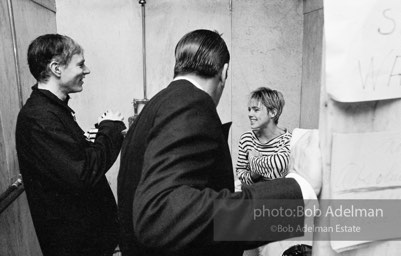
(176, 178)
(72, 206)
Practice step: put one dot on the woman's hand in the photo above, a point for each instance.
(251, 154)
(255, 176)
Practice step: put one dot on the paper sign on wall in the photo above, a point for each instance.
(363, 49)
(366, 165)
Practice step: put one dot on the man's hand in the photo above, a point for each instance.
(91, 134)
(111, 116)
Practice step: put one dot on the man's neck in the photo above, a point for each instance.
(53, 87)
(207, 85)
(194, 79)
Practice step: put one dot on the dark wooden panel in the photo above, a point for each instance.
(17, 234)
(4, 175)
(9, 106)
(31, 20)
(312, 5)
(9, 96)
(48, 4)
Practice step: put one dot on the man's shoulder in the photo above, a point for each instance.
(179, 93)
(38, 109)
(35, 105)
(183, 86)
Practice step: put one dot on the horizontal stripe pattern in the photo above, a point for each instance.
(272, 163)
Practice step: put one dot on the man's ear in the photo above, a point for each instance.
(55, 68)
(224, 73)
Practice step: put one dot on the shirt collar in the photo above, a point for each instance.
(189, 80)
(48, 94)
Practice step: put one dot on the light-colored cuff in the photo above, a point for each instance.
(307, 191)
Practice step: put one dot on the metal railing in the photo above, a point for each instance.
(11, 194)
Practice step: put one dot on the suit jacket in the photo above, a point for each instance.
(73, 208)
(176, 183)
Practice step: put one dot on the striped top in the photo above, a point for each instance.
(271, 164)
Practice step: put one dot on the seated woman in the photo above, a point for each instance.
(264, 152)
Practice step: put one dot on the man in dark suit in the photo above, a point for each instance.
(176, 185)
(73, 208)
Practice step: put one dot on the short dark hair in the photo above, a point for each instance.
(46, 48)
(271, 99)
(202, 52)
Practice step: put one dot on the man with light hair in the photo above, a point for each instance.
(72, 206)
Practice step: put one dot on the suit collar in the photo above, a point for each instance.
(53, 98)
(192, 81)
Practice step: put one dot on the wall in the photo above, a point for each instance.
(31, 18)
(267, 51)
(110, 33)
(311, 63)
(264, 37)
(112, 39)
